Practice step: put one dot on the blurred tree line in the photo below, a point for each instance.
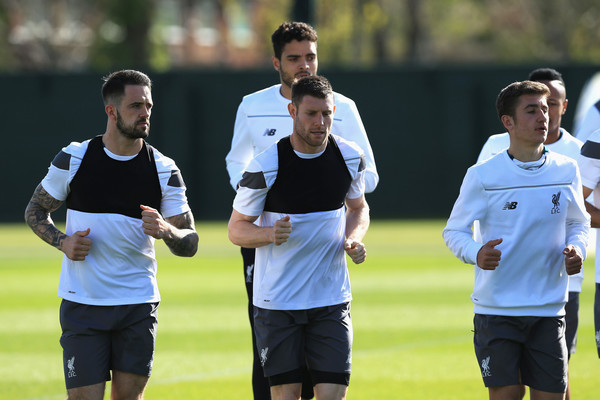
(71, 35)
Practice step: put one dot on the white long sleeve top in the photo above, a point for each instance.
(536, 213)
(566, 145)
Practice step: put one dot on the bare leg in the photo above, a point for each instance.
(330, 391)
(128, 386)
(290, 391)
(90, 392)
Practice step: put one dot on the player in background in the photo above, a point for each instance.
(121, 194)
(307, 192)
(560, 141)
(262, 119)
(589, 163)
(534, 229)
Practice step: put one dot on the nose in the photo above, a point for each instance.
(320, 120)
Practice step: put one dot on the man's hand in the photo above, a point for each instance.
(573, 260)
(356, 250)
(281, 230)
(488, 257)
(77, 246)
(153, 223)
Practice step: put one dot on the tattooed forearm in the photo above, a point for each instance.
(185, 241)
(37, 216)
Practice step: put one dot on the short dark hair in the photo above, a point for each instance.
(314, 85)
(289, 31)
(506, 102)
(545, 74)
(113, 88)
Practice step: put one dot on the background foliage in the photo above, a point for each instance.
(166, 34)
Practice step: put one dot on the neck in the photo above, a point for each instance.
(285, 91)
(301, 146)
(552, 136)
(120, 145)
(527, 154)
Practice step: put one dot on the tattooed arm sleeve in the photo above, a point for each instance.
(37, 216)
(185, 241)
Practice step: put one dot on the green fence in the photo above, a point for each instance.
(426, 126)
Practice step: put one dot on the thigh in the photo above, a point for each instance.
(133, 339)
(330, 391)
(91, 392)
(498, 347)
(279, 339)
(329, 339)
(86, 345)
(128, 386)
(544, 363)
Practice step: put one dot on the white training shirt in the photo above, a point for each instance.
(262, 119)
(589, 123)
(309, 270)
(121, 265)
(566, 145)
(536, 213)
(589, 164)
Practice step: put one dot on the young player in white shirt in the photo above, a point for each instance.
(534, 231)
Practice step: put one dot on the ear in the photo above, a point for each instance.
(292, 110)
(276, 63)
(564, 110)
(111, 111)
(508, 122)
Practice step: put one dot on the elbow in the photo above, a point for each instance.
(233, 238)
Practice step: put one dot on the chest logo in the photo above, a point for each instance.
(510, 205)
(556, 203)
(270, 132)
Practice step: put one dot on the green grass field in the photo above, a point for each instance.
(411, 312)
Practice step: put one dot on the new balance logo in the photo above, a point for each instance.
(270, 132)
(510, 205)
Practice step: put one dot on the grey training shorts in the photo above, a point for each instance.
(535, 347)
(98, 339)
(320, 338)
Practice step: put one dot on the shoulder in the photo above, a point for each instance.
(77, 149)
(74, 151)
(343, 104)
(591, 148)
(568, 138)
(347, 147)
(260, 96)
(163, 163)
(499, 139)
(267, 160)
(561, 160)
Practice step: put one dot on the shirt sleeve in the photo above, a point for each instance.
(241, 151)
(351, 128)
(589, 161)
(62, 169)
(578, 220)
(252, 191)
(469, 206)
(174, 200)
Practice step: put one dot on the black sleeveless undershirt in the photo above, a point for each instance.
(105, 185)
(308, 185)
